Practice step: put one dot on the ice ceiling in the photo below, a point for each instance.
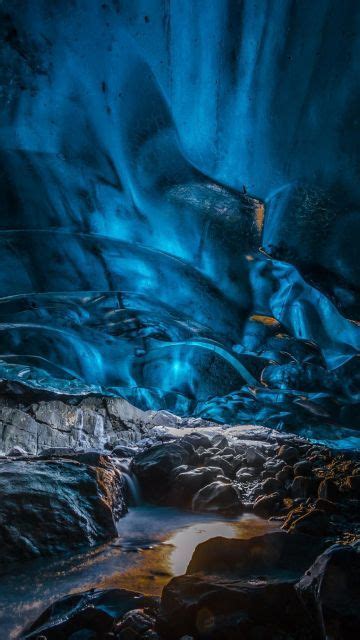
(180, 205)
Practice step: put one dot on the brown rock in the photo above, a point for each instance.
(303, 487)
(266, 506)
(288, 454)
(328, 490)
(314, 523)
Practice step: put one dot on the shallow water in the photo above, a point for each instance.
(154, 544)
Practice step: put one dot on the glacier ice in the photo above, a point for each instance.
(180, 206)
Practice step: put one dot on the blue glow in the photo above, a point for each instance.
(132, 133)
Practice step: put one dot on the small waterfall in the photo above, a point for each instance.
(132, 484)
(79, 428)
(99, 431)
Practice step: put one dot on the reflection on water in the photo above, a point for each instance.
(154, 544)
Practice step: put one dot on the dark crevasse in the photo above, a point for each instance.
(179, 213)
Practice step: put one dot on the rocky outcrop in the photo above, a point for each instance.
(33, 423)
(51, 506)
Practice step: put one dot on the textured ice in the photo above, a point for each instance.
(132, 134)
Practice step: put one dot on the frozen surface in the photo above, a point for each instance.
(131, 135)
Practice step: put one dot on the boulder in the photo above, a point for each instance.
(273, 554)
(266, 506)
(51, 506)
(331, 590)
(270, 485)
(217, 608)
(93, 612)
(198, 439)
(124, 451)
(289, 454)
(314, 522)
(188, 483)
(302, 468)
(225, 465)
(154, 466)
(254, 458)
(218, 496)
(328, 490)
(303, 487)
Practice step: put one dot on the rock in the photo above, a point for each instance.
(246, 473)
(289, 454)
(302, 468)
(314, 523)
(331, 590)
(134, 625)
(219, 441)
(217, 608)
(270, 485)
(327, 506)
(303, 488)
(266, 506)
(188, 483)
(352, 484)
(219, 461)
(56, 452)
(17, 428)
(328, 490)
(254, 458)
(273, 554)
(17, 452)
(93, 611)
(49, 507)
(154, 466)
(218, 496)
(198, 440)
(124, 451)
(285, 474)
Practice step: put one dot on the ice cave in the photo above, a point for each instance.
(179, 319)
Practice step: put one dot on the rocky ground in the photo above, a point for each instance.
(301, 582)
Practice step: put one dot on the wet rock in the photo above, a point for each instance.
(270, 485)
(134, 625)
(285, 474)
(217, 608)
(218, 496)
(289, 454)
(220, 441)
(246, 473)
(124, 451)
(314, 522)
(198, 440)
(92, 611)
(303, 487)
(154, 467)
(254, 458)
(352, 484)
(273, 554)
(266, 506)
(225, 465)
(328, 490)
(188, 483)
(330, 589)
(49, 507)
(17, 452)
(302, 468)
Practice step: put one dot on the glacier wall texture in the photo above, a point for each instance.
(179, 213)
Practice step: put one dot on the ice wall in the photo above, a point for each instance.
(148, 150)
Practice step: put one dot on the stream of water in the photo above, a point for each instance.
(154, 544)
